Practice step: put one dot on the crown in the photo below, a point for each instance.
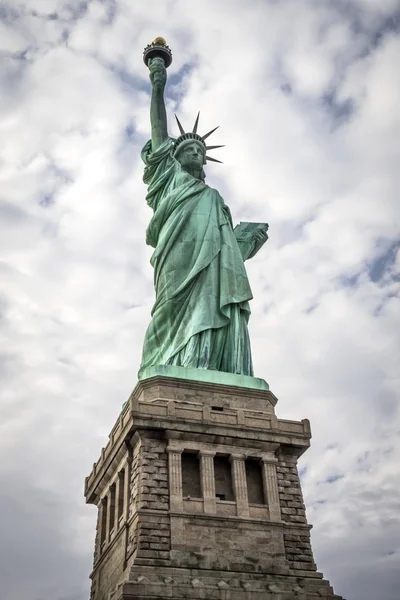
(193, 135)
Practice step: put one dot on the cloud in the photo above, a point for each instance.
(35, 536)
(307, 102)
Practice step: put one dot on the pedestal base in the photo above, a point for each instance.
(199, 496)
(179, 584)
(204, 375)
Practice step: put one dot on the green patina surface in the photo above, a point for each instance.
(205, 376)
(199, 319)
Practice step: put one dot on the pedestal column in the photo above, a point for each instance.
(240, 484)
(175, 479)
(208, 480)
(271, 492)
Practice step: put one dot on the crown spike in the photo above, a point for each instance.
(204, 137)
(214, 147)
(180, 126)
(196, 123)
(213, 159)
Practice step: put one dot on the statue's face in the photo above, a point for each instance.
(191, 156)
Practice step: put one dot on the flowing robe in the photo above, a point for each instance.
(202, 308)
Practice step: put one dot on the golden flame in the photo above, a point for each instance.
(160, 40)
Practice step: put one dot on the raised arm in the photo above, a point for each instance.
(158, 115)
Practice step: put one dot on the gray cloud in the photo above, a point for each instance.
(308, 110)
(35, 536)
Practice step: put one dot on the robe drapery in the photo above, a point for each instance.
(201, 311)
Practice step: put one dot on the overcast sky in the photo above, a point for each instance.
(307, 96)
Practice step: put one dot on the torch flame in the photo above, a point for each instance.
(160, 40)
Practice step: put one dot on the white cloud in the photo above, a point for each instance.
(306, 97)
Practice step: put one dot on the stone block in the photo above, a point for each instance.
(292, 538)
(288, 511)
(295, 491)
(303, 566)
(147, 455)
(160, 505)
(285, 497)
(298, 519)
(147, 553)
(285, 484)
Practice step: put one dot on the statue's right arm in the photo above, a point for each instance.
(158, 115)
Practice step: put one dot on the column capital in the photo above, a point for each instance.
(237, 457)
(209, 453)
(170, 450)
(269, 459)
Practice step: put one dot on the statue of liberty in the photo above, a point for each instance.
(201, 312)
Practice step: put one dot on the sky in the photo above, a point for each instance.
(307, 95)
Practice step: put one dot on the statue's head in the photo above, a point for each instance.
(191, 153)
(190, 149)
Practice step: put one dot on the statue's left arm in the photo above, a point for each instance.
(250, 237)
(259, 239)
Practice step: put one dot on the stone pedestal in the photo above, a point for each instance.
(199, 497)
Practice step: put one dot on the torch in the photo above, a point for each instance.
(158, 48)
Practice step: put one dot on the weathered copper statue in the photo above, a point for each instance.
(202, 291)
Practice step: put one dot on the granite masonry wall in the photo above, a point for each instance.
(149, 535)
(297, 539)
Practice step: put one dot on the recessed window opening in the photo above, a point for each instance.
(104, 508)
(121, 488)
(220, 408)
(255, 488)
(112, 506)
(191, 486)
(223, 478)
